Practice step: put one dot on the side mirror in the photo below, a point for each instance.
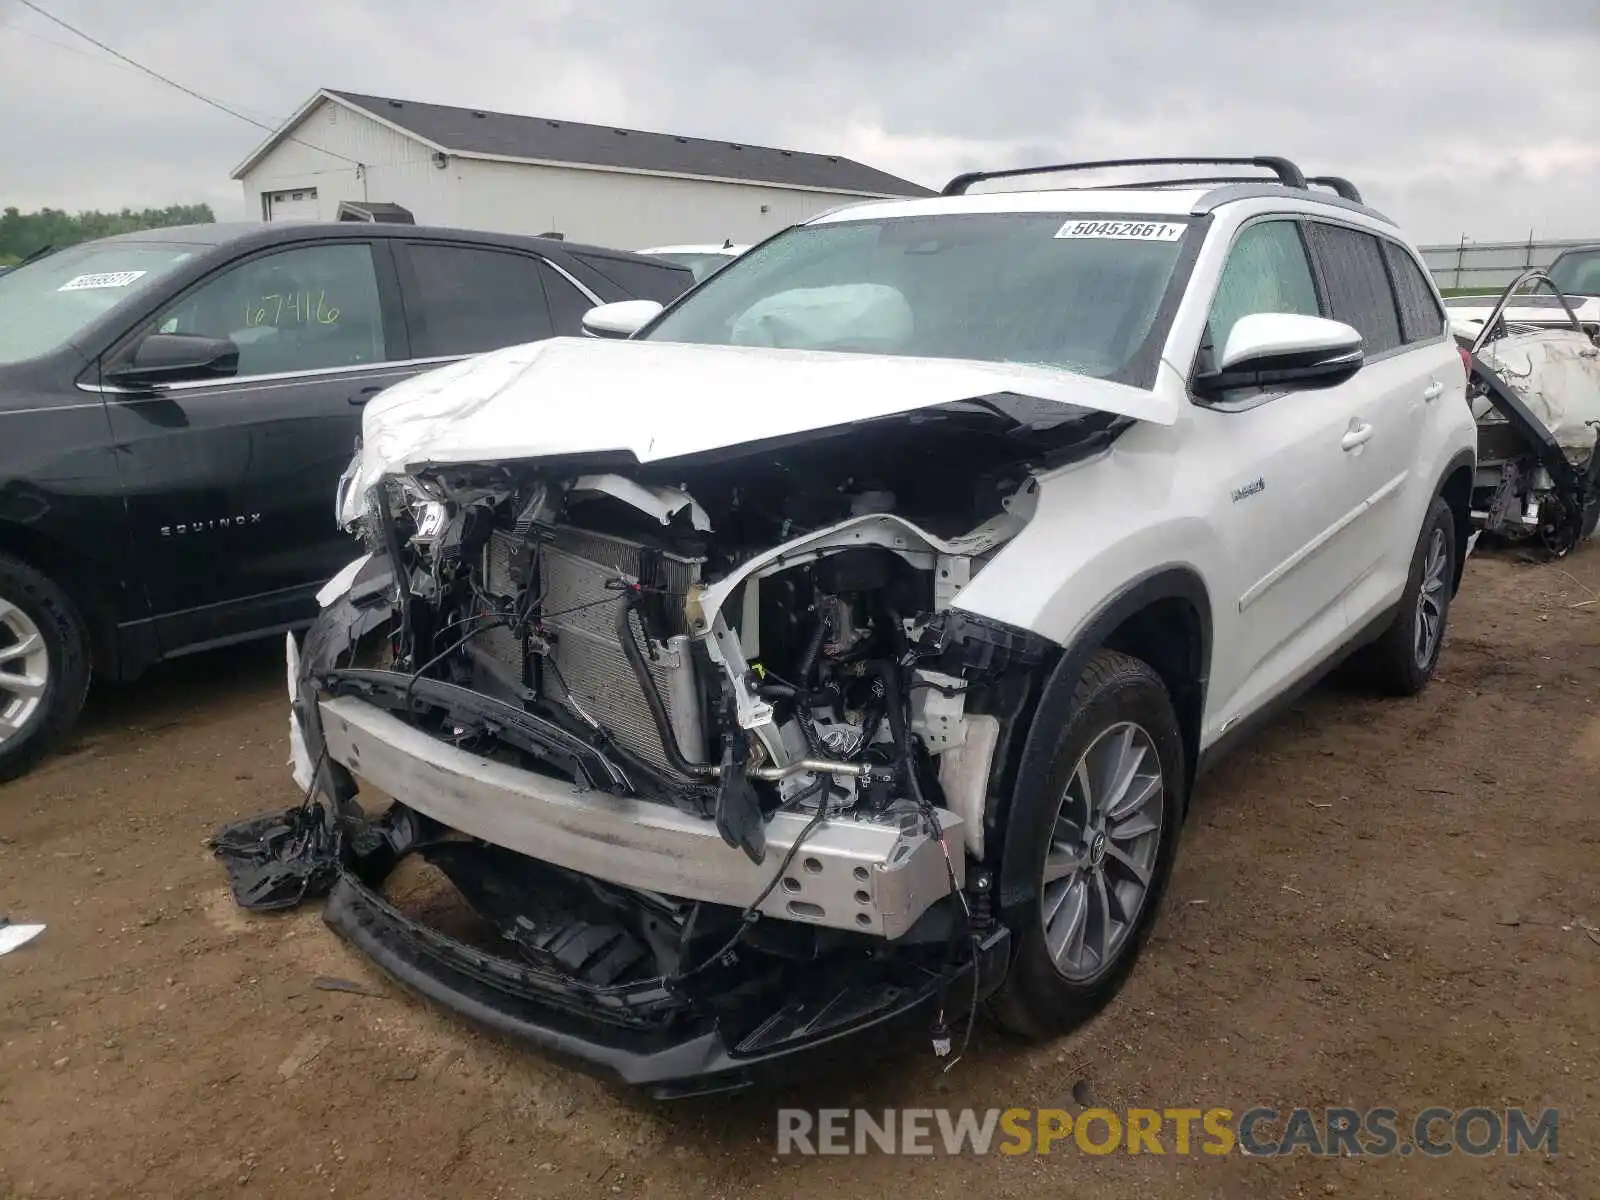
(621, 319)
(1285, 350)
(176, 358)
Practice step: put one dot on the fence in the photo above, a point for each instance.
(1489, 266)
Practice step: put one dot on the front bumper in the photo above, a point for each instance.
(863, 875)
(711, 1034)
(827, 1013)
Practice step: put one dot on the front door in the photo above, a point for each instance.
(230, 483)
(1296, 478)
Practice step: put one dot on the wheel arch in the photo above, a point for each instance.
(1163, 618)
(1455, 489)
(56, 561)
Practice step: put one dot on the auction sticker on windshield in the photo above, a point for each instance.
(104, 279)
(1124, 231)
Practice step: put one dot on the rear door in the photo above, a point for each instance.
(1396, 384)
(466, 299)
(230, 483)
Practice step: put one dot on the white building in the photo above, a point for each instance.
(496, 171)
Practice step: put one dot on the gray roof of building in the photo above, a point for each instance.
(476, 131)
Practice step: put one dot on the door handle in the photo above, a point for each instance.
(1357, 435)
(1433, 391)
(365, 394)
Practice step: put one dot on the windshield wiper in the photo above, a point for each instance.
(47, 248)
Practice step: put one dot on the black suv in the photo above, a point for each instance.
(176, 407)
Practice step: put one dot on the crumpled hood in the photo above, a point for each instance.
(662, 400)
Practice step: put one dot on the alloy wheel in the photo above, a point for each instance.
(24, 670)
(1103, 848)
(1429, 624)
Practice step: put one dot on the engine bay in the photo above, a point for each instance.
(734, 646)
(628, 711)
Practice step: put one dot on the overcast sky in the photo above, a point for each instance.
(1477, 117)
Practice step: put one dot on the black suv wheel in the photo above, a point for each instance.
(44, 666)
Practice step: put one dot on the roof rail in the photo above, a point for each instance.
(1337, 183)
(1288, 174)
(1187, 181)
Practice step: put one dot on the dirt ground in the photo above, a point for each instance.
(1376, 903)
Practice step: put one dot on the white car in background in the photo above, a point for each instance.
(1575, 275)
(703, 260)
(1535, 390)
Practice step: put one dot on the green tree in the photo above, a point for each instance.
(23, 233)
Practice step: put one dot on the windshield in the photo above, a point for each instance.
(43, 304)
(1044, 289)
(1577, 272)
(700, 264)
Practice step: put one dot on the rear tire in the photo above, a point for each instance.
(1405, 658)
(44, 666)
(1110, 803)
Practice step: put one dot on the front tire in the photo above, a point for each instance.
(1405, 658)
(44, 666)
(1110, 803)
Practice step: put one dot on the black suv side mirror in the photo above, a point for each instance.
(176, 358)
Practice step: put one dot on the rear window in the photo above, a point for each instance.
(1421, 318)
(466, 300)
(640, 279)
(1357, 284)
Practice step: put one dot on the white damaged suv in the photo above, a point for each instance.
(843, 642)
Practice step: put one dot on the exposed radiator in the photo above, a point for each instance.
(586, 670)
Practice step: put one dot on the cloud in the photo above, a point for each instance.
(1477, 122)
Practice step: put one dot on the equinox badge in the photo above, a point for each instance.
(208, 526)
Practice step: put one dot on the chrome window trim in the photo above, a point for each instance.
(567, 275)
(318, 373)
(312, 375)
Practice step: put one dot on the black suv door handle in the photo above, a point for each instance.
(365, 394)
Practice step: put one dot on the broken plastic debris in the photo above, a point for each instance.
(280, 859)
(12, 936)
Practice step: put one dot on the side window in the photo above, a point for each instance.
(1421, 317)
(305, 309)
(661, 281)
(567, 303)
(1266, 272)
(1357, 284)
(465, 300)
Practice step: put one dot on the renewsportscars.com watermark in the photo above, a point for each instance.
(1262, 1131)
